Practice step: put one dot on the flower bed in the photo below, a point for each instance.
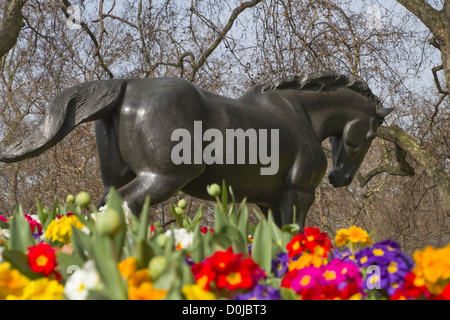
(75, 252)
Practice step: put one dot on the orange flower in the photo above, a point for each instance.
(354, 235)
(139, 282)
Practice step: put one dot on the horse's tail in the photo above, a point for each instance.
(82, 103)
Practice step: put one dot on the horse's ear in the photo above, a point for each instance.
(384, 112)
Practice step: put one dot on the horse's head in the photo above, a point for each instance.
(350, 148)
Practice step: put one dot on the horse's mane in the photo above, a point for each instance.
(322, 81)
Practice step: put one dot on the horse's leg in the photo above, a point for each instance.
(160, 187)
(275, 213)
(302, 200)
(114, 171)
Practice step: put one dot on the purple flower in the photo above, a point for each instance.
(189, 260)
(345, 255)
(280, 265)
(393, 265)
(260, 292)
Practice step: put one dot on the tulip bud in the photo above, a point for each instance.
(161, 240)
(179, 211)
(83, 199)
(182, 204)
(213, 190)
(108, 223)
(70, 198)
(157, 266)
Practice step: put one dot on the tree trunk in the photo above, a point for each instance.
(11, 25)
(432, 167)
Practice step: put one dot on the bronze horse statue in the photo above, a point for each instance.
(135, 120)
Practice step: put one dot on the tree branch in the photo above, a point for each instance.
(64, 7)
(425, 12)
(222, 34)
(432, 167)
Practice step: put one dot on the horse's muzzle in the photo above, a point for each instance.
(337, 179)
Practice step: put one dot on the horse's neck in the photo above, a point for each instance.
(328, 112)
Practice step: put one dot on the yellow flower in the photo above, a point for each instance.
(61, 230)
(341, 237)
(41, 289)
(307, 260)
(12, 282)
(433, 266)
(139, 282)
(356, 234)
(353, 234)
(145, 291)
(195, 292)
(127, 267)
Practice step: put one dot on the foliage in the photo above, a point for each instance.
(111, 254)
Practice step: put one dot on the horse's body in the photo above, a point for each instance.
(136, 119)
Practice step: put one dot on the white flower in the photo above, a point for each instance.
(81, 281)
(36, 218)
(126, 211)
(183, 238)
(4, 233)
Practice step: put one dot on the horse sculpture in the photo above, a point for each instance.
(135, 120)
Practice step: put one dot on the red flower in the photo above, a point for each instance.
(227, 270)
(2, 218)
(64, 215)
(203, 274)
(42, 259)
(445, 294)
(409, 290)
(35, 226)
(313, 240)
(224, 261)
(205, 230)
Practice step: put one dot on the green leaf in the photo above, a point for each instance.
(197, 219)
(176, 215)
(275, 232)
(224, 197)
(4, 225)
(145, 215)
(52, 214)
(221, 220)
(262, 246)
(220, 241)
(68, 263)
(42, 215)
(21, 236)
(77, 212)
(291, 228)
(81, 243)
(197, 250)
(144, 252)
(242, 224)
(19, 261)
(233, 201)
(115, 202)
(106, 264)
(289, 294)
(96, 295)
(258, 215)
